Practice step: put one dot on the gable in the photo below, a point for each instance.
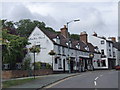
(37, 36)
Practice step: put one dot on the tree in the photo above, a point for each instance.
(9, 25)
(75, 36)
(13, 48)
(26, 26)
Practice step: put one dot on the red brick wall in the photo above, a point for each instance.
(24, 73)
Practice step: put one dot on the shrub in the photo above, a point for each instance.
(37, 65)
(48, 66)
(26, 63)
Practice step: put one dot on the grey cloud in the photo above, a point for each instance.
(91, 17)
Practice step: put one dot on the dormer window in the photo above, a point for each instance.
(67, 44)
(57, 37)
(87, 48)
(57, 40)
(96, 49)
(78, 46)
(102, 42)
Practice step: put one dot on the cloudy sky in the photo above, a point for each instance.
(101, 17)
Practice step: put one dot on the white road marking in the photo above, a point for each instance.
(101, 75)
(95, 83)
(96, 78)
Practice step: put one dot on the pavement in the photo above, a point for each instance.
(42, 81)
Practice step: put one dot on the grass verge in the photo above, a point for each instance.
(10, 83)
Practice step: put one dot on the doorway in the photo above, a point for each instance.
(64, 65)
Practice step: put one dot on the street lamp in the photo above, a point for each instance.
(69, 44)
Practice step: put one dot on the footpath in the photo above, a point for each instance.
(42, 81)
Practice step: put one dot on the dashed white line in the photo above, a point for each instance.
(95, 83)
(96, 78)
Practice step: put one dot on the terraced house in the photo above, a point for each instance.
(108, 48)
(80, 56)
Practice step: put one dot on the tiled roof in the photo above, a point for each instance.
(117, 45)
(64, 40)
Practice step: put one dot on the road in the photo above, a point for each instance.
(94, 79)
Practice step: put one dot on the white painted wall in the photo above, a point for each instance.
(97, 42)
(37, 37)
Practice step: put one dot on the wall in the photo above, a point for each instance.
(24, 73)
(95, 64)
(37, 37)
(97, 42)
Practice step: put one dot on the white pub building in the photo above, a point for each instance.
(79, 51)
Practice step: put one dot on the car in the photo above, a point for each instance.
(117, 67)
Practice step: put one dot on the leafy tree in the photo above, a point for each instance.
(9, 25)
(26, 26)
(13, 48)
(75, 36)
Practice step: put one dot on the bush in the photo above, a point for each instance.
(37, 65)
(40, 65)
(26, 63)
(48, 66)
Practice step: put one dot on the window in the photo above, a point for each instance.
(58, 49)
(55, 60)
(102, 51)
(109, 44)
(38, 46)
(98, 63)
(102, 42)
(60, 64)
(78, 46)
(113, 54)
(109, 52)
(63, 50)
(103, 63)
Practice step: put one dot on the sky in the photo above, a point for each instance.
(100, 16)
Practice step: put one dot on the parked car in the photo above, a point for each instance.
(117, 67)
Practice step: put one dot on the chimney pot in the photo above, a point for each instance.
(64, 31)
(83, 37)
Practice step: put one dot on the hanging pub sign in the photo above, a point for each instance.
(91, 55)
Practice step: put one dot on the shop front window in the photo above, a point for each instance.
(103, 63)
(98, 63)
(60, 64)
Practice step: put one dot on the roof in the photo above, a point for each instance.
(104, 38)
(117, 45)
(63, 41)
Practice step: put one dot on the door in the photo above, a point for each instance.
(71, 65)
(63, 65)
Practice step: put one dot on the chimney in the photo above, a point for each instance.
(112, 39)
(64, 31)
(95, 34)
(83, 37)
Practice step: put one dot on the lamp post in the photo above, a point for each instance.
(34, 49)
(69, 44)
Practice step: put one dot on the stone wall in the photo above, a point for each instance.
(24, 73)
